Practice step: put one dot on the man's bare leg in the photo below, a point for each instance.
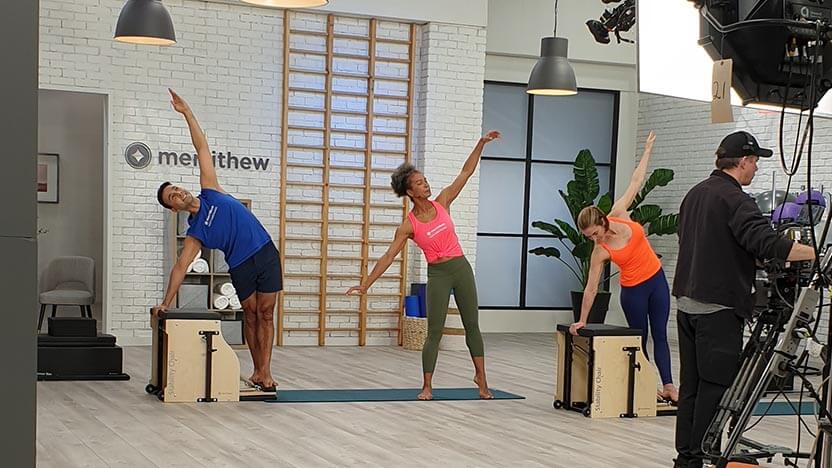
(265, 336)
(250, 331)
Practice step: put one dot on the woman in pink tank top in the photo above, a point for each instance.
(429, 224)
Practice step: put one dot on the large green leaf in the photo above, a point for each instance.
(583, 250)
(546, 251)
(572, 203)
(571, 233)
(659, 178)
(577, 191)
(586, 174)
(605, 203)
(550, 228)
(646, 214)
(664, 225)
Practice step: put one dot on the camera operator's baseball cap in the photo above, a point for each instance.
(739, 144)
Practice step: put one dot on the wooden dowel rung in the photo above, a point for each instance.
(393, 41)
(305, 202)
(350, 36)
(381, 58)
(308, 71)
(392, 97)
(307, 51)
(397, 79)
(392, 134)
(305, 90)
(308, 33)
(305, 109)
(348, 112)
(349, 93)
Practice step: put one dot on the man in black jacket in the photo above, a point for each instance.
(721, 235)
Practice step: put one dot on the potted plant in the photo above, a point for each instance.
(582, 191)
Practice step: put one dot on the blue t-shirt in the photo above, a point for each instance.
(226, 224)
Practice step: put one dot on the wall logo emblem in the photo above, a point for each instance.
(137, 155)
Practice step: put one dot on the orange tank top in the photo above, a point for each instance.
(636, 260)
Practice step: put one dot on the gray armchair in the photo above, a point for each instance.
(68, 281)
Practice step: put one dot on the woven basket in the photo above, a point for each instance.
(414, 333)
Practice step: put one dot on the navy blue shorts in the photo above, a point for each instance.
(259, 273)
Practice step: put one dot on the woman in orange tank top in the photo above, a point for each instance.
(645, 294)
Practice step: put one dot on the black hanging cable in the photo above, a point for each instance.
(555, 32)
(795, 161)
(783, 114)
(810, 124)
(722, 29)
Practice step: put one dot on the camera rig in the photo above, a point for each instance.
(616, 20)
(789, 301)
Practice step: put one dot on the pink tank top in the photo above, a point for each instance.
(437, 238)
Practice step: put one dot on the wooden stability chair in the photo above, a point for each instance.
(604, 373)
(192, 362)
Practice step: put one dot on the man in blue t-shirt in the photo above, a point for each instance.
(220, 221)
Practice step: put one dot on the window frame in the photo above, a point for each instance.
(528, 162)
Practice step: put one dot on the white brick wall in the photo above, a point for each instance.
(686, 141)
(228, 64)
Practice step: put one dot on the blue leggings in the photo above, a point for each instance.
(651, 299)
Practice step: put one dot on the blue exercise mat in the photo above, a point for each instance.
(382, 394)
(783, 408)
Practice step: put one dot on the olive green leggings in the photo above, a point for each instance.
(453, 274)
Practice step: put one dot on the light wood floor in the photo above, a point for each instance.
(97, 424)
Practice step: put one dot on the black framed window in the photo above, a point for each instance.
(520, 175)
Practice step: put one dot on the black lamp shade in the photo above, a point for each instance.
(288, 3)
(552, 75)
(145, 22)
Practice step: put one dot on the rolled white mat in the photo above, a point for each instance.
(220, 301)
(200, 266)
(234, 302)
(193, 262)
(226, 289)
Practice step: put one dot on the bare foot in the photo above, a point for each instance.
(427, 394)
(485, 393)
(264, 381)
(269, 382)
